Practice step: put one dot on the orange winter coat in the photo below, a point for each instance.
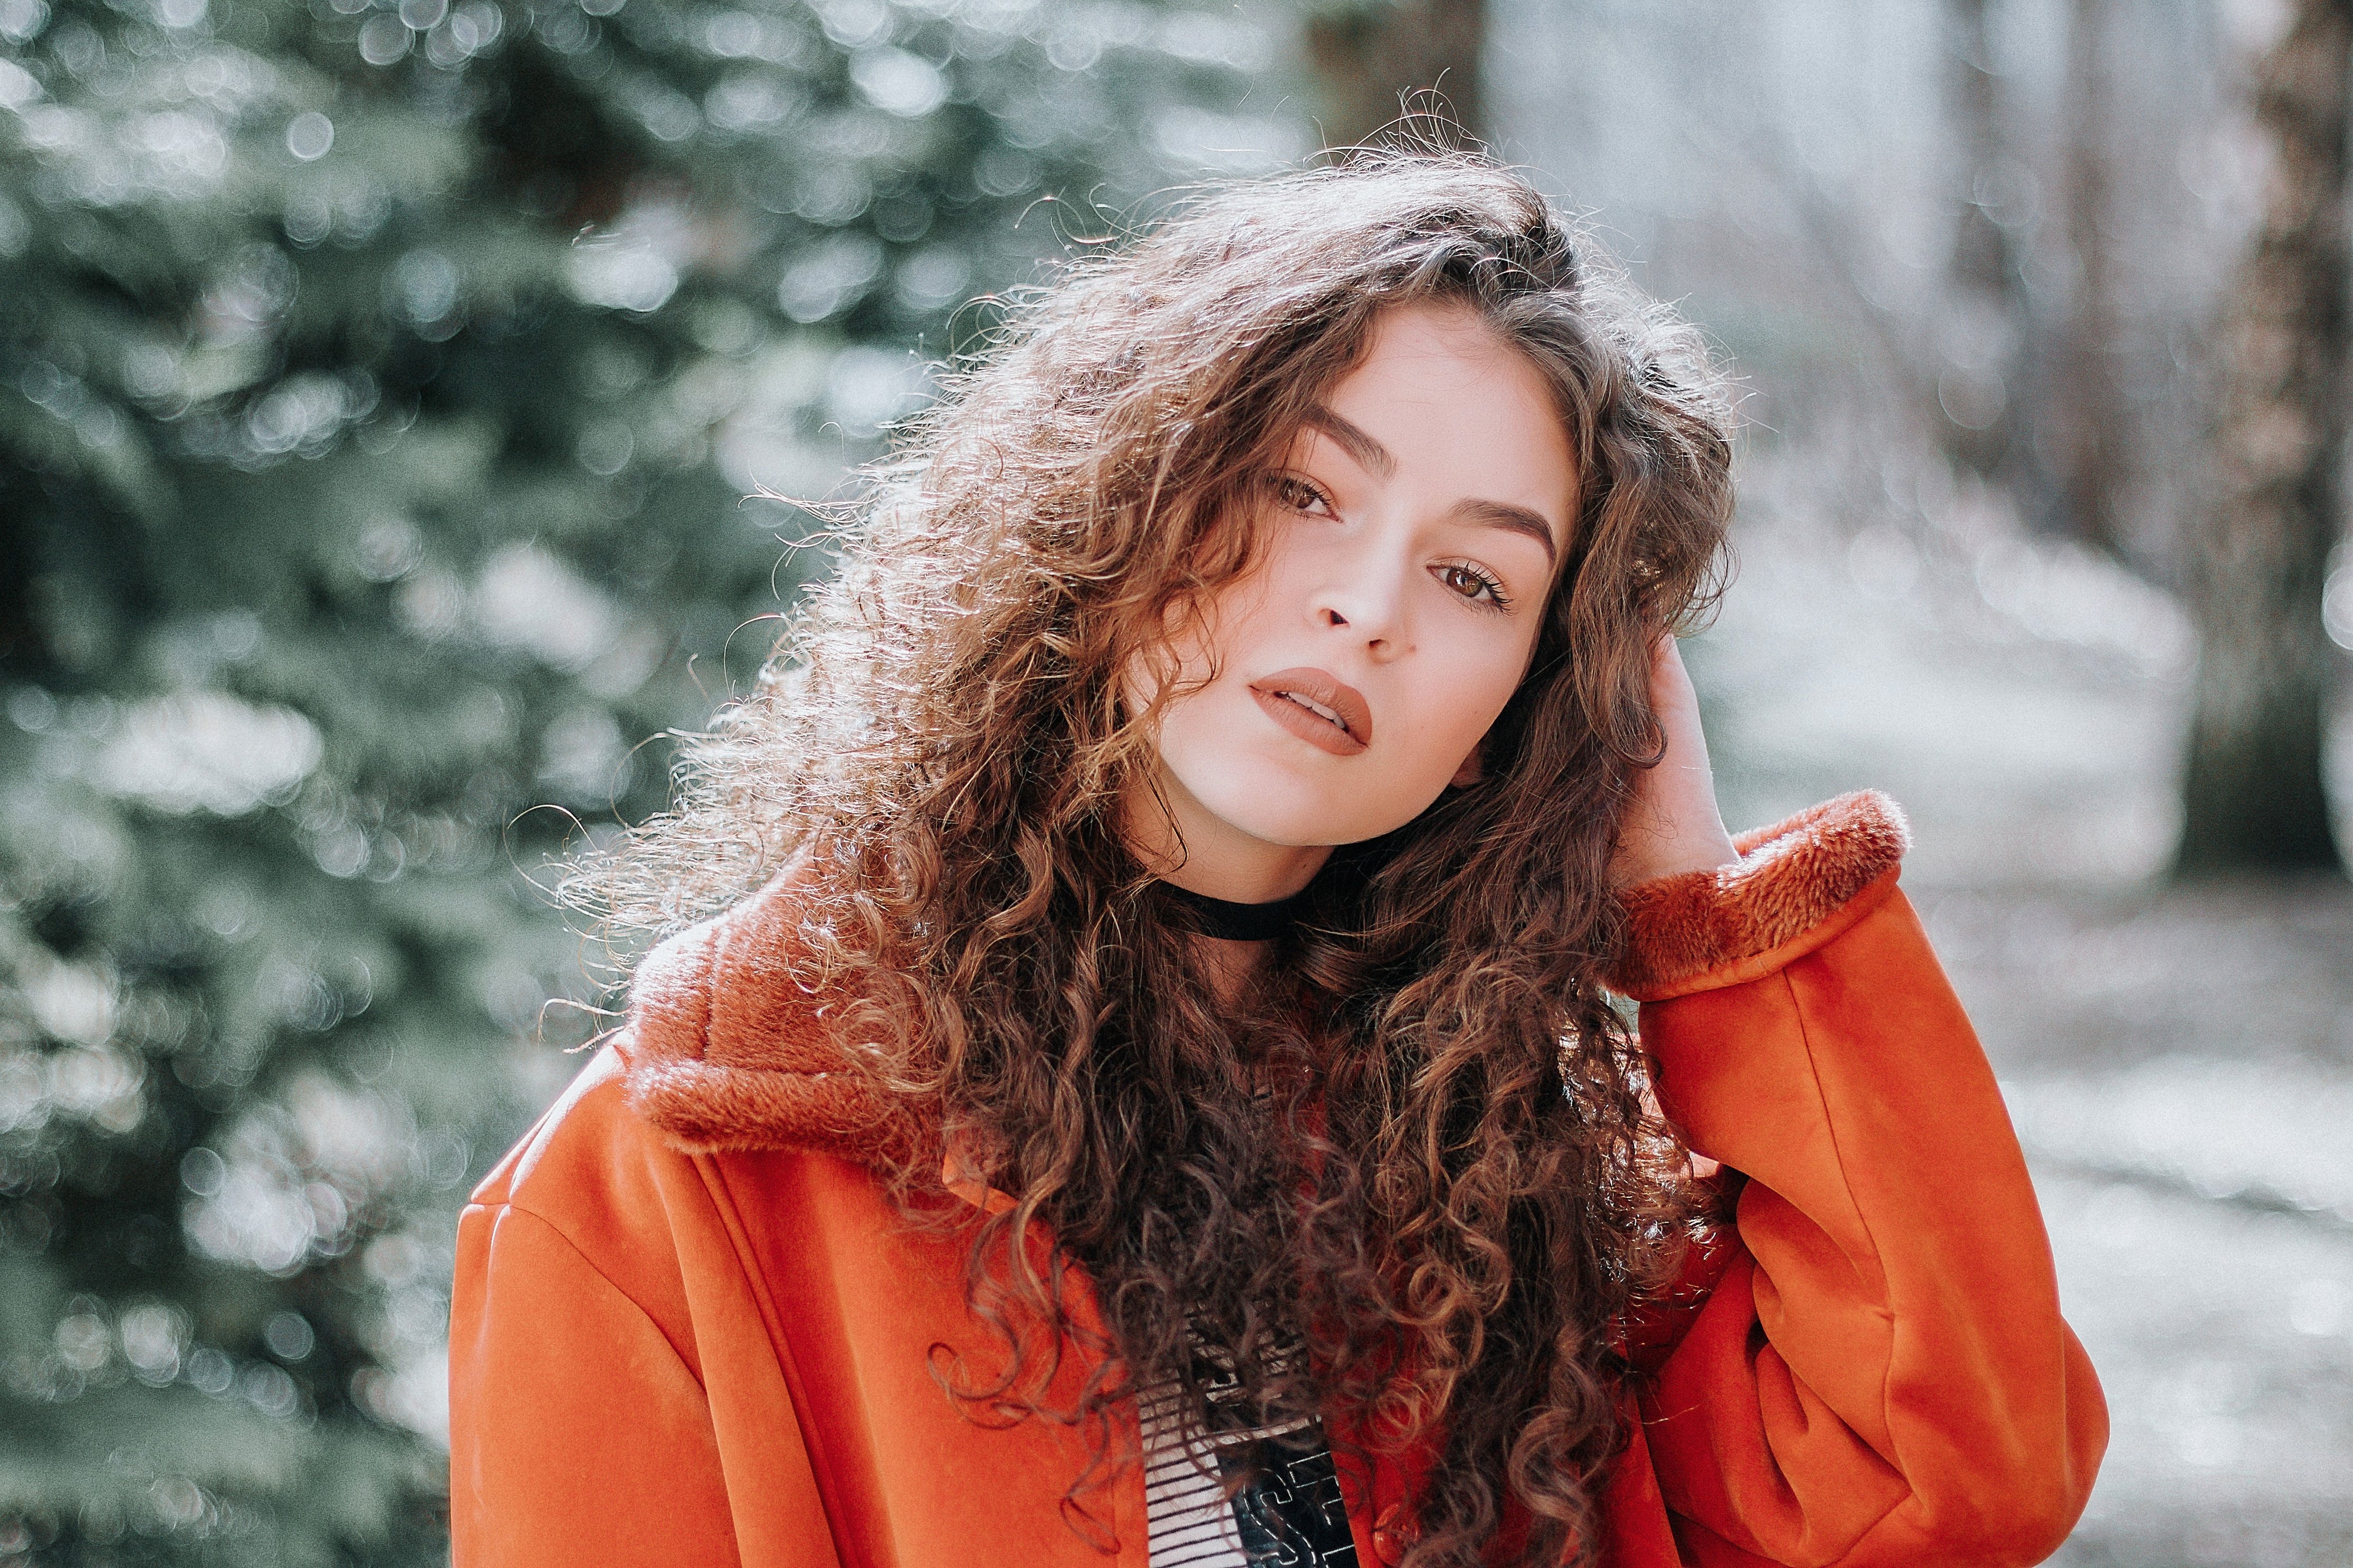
(689, 1329)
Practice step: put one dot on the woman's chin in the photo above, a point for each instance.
(1296, 818)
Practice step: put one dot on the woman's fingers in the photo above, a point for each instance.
(1673, 824)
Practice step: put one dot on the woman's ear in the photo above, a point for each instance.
(1473, 769)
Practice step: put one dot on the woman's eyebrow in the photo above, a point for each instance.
(1355, 440)
(1518, 519)
(1375, 459)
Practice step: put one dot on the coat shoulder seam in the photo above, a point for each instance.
(573, 1245)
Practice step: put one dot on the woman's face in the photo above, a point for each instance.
(1411, 540)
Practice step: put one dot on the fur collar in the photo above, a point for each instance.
(725, 1051)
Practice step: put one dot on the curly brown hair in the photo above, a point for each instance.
(1420, 1143)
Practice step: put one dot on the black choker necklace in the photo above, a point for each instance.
(1230, 921)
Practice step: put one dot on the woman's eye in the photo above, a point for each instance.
(1473, 584)
(1300, 495)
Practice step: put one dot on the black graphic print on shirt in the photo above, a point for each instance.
(1291, 1515)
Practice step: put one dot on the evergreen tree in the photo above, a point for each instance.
(379, 384)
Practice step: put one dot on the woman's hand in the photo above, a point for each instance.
(1673, 824)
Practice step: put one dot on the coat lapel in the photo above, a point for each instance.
(869, 1315)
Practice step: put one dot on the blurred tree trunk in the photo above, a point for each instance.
(2252, 794)
(1367, 55)
(2087, 420)
(1978, 368)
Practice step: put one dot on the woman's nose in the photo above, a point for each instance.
(1366, 600)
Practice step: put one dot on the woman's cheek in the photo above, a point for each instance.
(1473, 693)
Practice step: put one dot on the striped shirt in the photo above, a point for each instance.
(1290, 1513)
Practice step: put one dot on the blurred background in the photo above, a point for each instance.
(381, 381)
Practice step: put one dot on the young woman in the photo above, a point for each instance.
(1167, 1102)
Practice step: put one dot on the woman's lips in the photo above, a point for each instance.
(1318, 707)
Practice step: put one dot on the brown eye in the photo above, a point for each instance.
(1472, 585)
(1299, 495)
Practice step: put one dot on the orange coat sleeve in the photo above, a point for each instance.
(1880, 1375)
(573, 1419)
(613, 1398)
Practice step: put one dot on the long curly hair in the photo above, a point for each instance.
(1419, 1147)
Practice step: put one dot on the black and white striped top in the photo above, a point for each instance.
(1290, 1514)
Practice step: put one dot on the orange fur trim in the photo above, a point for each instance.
(1783, 897)
(726, 1050)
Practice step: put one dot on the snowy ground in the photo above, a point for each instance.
(2180, 1062)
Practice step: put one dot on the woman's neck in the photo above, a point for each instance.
(1196, 851)
(1205, 855)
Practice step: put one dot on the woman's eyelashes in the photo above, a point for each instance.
(1302, 495)
(1472, 582)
